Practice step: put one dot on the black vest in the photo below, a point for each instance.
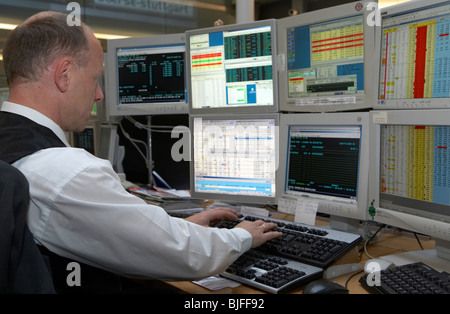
(20, 137)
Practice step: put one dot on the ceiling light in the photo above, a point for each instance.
(7, 26)
(108, 36)
(387, 3)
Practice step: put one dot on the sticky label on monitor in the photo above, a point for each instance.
(380, 117)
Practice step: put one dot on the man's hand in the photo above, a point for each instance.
(207, 217)
(261, 231)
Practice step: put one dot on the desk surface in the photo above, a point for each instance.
(388, 243)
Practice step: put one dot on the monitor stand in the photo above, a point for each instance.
(438, 258)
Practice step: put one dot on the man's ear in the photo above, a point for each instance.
(62, 74)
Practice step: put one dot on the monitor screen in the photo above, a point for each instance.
(324, 159)
(146, 75)
(233, 68)
(414, 70)
(410, 170)
(86, 139)
(235, 158)
(327, 58)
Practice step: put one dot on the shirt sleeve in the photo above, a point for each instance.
(80, 210)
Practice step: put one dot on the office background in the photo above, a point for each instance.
(116, 19)
(111, 19)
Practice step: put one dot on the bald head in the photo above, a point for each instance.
(38, 41)
(41, 15)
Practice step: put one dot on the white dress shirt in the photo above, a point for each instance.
(80, 210)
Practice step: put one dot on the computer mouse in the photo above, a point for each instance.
(324, 286)
(377, 264)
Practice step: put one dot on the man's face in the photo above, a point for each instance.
(85, 90)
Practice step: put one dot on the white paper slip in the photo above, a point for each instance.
(287, 205)
(217, 283)
(306, 211)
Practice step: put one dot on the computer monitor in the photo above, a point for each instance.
(410, 172)
(146, 75)
(233, 68)
(108, 146)
(324, 160)
(413, 65)
(86, 139)
(234, 158)
(327, 59)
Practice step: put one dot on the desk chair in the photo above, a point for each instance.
(22, 267)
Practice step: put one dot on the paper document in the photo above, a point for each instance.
(306, 211)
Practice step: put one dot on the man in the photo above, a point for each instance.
(78, 208)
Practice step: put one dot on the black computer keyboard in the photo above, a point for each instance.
(303, 243)
(416, 278)
(293, 260)
(271, 273)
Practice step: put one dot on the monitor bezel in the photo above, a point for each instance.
(237, 199)
(288, 104)
(112, 94)
(429, 223)
(340, 208)
(108, 143)
(403, 103)
(233, 27)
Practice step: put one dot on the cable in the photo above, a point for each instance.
(418, 241)
(155, 128)
(134, 142)
(351, 276)
(371, 238)
(382, 227)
